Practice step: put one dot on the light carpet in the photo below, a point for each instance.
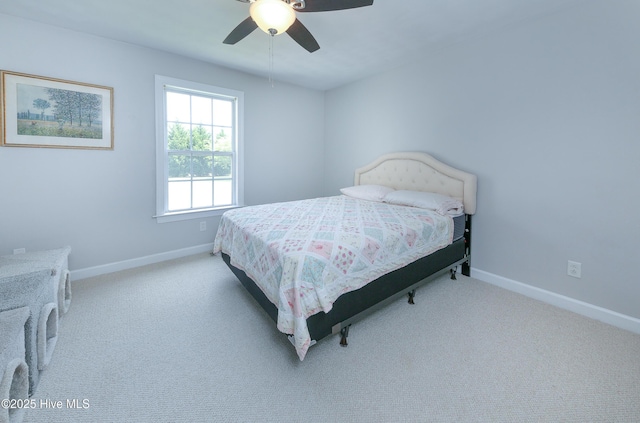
(182, 341)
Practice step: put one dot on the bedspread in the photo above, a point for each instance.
(304, 254)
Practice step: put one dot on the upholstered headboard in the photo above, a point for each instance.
(420, 172)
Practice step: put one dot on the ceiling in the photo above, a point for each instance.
(354, 43)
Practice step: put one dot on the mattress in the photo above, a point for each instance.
(458, 226)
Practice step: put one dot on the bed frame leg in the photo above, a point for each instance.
(453, 273)
(466, 266)
(344, 332)
(412, 295)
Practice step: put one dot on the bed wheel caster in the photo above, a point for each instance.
(412, 295)
(344, 332)
(453, 274)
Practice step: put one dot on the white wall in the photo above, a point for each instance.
(101, 203)
(547, 114)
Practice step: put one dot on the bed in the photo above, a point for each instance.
(317, 266)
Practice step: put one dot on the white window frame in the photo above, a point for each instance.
(162, 168)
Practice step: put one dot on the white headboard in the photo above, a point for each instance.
(420, 172)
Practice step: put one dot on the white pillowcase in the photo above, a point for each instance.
(441, 204)
(367, 192)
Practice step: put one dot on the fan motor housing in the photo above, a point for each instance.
(296, 4)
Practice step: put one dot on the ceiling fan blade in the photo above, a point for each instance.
(328, 5)
(245, 28)
(302, 36)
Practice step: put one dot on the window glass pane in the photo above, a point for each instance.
(223, 192)
(223, 137)
(202, 139)
(202, 193)
(178, 107)
(179, 195)
(197, 148)
(177, 136)
(222, 112)
(222, 166)
(202, 166)
(201, 110)
(179, 166)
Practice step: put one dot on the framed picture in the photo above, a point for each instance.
(37, 111)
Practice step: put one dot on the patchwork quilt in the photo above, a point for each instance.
(305, 254)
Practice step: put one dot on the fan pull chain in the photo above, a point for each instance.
(271, 60)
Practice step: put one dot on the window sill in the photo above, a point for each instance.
(192, 214)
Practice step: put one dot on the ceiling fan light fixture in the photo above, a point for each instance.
(272, 16)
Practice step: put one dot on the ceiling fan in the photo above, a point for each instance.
(278, 16)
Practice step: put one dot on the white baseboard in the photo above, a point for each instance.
(137, 262)
(613, 318)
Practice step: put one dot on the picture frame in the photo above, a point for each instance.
(37, 111)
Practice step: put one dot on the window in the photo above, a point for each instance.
(199, 149)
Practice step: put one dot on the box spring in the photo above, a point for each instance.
(352, 303)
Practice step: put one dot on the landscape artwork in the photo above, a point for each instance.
(46, 112)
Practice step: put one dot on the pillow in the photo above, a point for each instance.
(367, 192)
(441, 204)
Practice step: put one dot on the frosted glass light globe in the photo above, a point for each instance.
(272, 16)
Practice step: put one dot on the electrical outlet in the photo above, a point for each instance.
(203, 226)
(574, 269)
(19, 251)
